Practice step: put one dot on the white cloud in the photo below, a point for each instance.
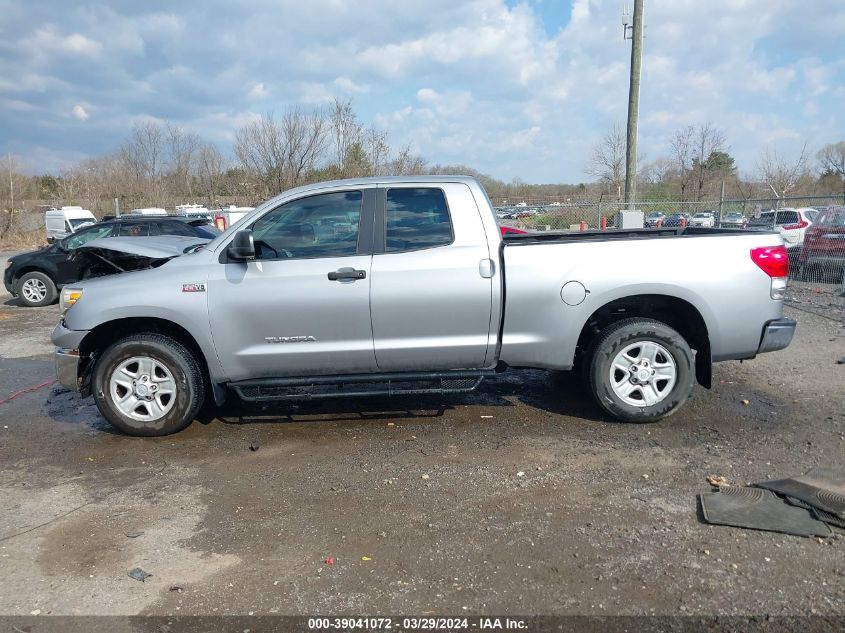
(80, 113)
(258, 91)
(476, 82)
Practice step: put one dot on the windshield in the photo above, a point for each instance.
(86, 235)
(702, 215)
(834, 216)
(75, 223)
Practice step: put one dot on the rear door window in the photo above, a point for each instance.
(176, 227)
(788, 217)
(416, 218)
(139, 229)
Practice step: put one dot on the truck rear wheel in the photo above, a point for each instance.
(641, 370)
(148, 385)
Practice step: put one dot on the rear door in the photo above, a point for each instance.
(302, 307)
(431, 289)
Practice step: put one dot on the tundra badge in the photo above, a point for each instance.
(290, 339)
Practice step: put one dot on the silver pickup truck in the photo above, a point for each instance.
(405, 286)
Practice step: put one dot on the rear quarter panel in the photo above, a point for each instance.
(713, 273)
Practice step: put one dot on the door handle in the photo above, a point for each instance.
(347, 274)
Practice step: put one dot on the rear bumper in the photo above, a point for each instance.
(777, 335)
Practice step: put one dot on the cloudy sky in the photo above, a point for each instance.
(514, 88)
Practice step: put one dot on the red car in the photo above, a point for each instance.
(824, 243)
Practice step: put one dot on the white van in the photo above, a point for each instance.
(193, 211)
(227, 216)
(62, 222)
(148, 211)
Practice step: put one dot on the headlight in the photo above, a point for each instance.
(8, 263)
(68, 297)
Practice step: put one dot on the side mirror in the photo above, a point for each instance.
(242, 246)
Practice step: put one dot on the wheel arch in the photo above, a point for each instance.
(32, 268)
(677, 313)
(106, 333)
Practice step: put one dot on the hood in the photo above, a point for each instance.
(158, 247)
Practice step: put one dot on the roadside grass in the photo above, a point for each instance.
(20, 240)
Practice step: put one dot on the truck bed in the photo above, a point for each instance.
(558, 237)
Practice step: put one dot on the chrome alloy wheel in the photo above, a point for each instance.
(142, 388)
(643, 374)
(34, 290)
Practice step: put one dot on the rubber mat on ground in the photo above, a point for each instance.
(758, 509)
(822, 488)
(821, 515)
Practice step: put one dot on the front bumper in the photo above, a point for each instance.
(7, 281)
(777, 335)
(67, 368)
(67, 356)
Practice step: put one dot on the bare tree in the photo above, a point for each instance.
(706, 139)
(683, 150)
(832, 160)
(305, 137)
(406, 163)
(660, 170)
(182, 148)
(607, 162)
(15, 183)
(779, 173)
(210, 167)
(282, 153)
(142, 155)
(346, 132)
(378, 151)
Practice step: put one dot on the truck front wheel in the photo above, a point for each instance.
(148, 385)
(641, 370)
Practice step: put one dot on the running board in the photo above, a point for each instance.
(352, 385)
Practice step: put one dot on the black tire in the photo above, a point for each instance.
(612, 340)
(176, 358)
(41, 279)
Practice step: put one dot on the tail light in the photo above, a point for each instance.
(220, 222)
(803, 224)
(773, 261)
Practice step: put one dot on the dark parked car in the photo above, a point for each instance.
(675, 219)
(36, 277)
(823, 251)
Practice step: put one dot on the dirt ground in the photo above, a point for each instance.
(521, 498)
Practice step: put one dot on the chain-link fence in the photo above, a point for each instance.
(813, 228)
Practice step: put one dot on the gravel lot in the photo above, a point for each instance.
(521, 498)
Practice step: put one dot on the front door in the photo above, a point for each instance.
(302, 307)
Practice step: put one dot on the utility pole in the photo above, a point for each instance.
(636, 36)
